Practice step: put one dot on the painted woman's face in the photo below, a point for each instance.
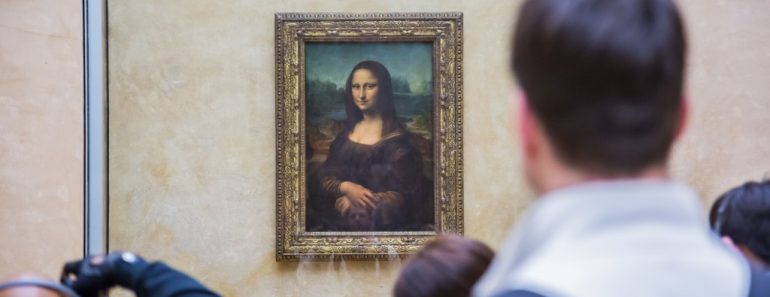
(365, 89)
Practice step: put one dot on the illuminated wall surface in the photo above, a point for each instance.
(41, 135)
(191, 143)
(192, 136)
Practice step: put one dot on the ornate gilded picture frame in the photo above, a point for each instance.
(368, 133)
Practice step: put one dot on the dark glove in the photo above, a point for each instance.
(96, 274)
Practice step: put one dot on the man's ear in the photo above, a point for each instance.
(684, 116)
(527, 126)
(729, 243)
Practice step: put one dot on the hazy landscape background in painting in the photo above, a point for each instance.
(327, 66)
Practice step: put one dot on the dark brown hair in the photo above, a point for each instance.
(604, 78)
(448, 267)
(743, 214)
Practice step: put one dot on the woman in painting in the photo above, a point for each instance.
(373, 179)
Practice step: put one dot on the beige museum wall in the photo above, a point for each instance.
(191, 146)
(41, 135)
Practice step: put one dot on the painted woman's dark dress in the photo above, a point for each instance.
(391, 169)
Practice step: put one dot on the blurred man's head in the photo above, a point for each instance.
(359, 218)
(742, 216)
(602, 83)
(446, 267)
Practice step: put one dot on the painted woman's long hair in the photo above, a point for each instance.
(384, 105)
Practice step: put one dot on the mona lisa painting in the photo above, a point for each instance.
(368, 118)
(369, 133)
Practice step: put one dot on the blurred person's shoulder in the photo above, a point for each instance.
(520, 293)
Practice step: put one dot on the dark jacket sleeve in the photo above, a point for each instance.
(156, 279)
(760, 283)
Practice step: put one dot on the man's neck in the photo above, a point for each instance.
(559, 177)
(753, 258)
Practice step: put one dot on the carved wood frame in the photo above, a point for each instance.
(292, 30)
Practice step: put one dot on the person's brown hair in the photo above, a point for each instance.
(743, 214)
(449, 266)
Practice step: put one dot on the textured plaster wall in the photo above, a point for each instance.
(41, 135)
(192, 132)
(727, 141)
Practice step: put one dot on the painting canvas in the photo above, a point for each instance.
(368, 133)
(395, 165)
